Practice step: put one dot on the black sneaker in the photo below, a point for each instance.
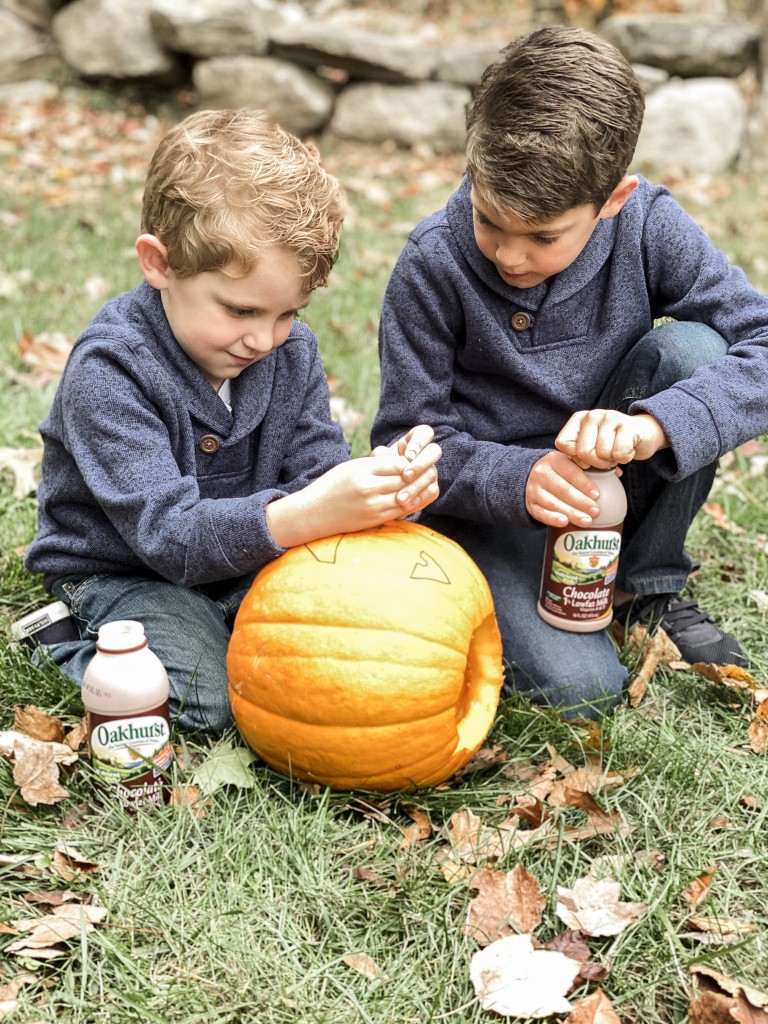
(49, 625)
(691, 629)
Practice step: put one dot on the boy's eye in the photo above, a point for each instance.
(238, 312)
(545, 239)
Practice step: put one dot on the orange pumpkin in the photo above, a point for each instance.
(368, 660)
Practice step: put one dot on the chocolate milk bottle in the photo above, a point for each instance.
(125, 692)
(580, 564)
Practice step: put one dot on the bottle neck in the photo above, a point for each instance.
(104, 649)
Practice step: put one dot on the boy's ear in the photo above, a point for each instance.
(619, 196)
(153, 260)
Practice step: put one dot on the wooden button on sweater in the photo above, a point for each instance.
(521, 321)
(209, 444)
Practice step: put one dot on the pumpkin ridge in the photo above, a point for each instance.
(264, 624)
(318, 724)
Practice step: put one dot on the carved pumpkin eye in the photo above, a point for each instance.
(369, 660)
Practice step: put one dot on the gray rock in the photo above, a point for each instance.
(22, 49)
(362, 54)
(35, 12)
(650, 78)
(464, 64)
(427, 112)
(32, 90)
(697, 125)
(112, 38)
(684, 46)
(292, 96)
(219, 28)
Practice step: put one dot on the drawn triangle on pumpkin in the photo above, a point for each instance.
(428, 569)
(325, 550)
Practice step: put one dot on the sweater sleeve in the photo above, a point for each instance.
(143, 481)
(421, 328)
(723, 403)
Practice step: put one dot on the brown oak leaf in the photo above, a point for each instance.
(593, 1009)
(507, 902)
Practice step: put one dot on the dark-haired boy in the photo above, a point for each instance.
(519, 322)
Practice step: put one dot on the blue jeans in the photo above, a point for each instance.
(188, 629)
(580, 673)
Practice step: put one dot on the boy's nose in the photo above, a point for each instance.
(261, 342)
(511, 257)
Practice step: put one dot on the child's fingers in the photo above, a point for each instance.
(424, 461)
(417, 488)
(417, 440)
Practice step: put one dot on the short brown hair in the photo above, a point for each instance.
(554, 124)
(226, 185)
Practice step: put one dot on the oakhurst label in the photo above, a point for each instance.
(131, 756)
(580, 569)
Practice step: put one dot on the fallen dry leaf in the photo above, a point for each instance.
(720, 999)
(22, 462)
(11, 740)
(758, 732)
(56, 897)
(483, 758)
(593, 1009)
(717, 513)
(598, 827)
(34, 722)
(593, 907)
(472, 841)
(364, 964)
(11, 989)
(191, 797)
(69, 862)
(752, 803)
(726, 675)
(697, 891)
(512, 978)
(36, 773)
(722, 925)
(656, 649)
(572, 943)
(507, 902)
(421, 828)
(46, 352)
(47, 933)
(77, 736)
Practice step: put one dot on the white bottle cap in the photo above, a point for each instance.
(121, 635)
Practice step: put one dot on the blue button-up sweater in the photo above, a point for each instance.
(451, 357)
(126, 486)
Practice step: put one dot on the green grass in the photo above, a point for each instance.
(246, 914)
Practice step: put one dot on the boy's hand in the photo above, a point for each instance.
(420, 455)
(558, 492)
(352, 496)
(604, 437)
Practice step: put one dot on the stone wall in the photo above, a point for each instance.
(332, 73)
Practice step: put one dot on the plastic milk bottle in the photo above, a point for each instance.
(125, 692)
(580, 564)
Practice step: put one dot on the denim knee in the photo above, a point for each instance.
(682, 347)
(669, 353)
(579, 674)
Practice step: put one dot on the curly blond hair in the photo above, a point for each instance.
(224, 186)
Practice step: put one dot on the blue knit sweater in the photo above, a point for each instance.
(126, 485)
(450, 356)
